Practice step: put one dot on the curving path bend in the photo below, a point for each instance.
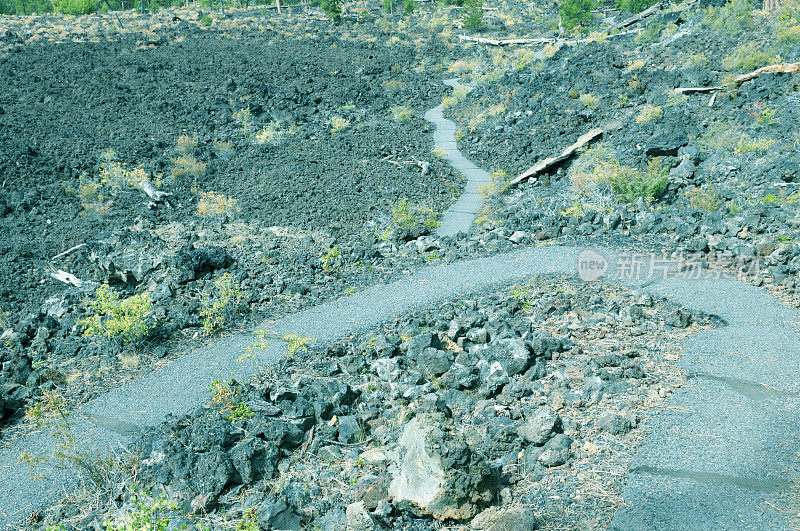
(722, 455)
(461, 214)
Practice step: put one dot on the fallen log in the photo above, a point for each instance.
(544, 164)
(59, 255)
(67, 278)
(785, 68)
(636, 18)
(539, 40)
(506, 42)
(152, 192)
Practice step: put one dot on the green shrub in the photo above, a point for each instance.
(401, 113)
(226, 398)
(576, 13)
(216, 310)
(649, 113)
(629, 184)
(75, 7)
(332, 261)
(332, 8)
(407, 214)
(634, 6)
(147, 513)
(788, 27)
(590, 101)
(295, 344)
(499, 184)
(706, 198)
(748, 57)
(126, 319)
(409, 6)
(473, 14)
(733, 18)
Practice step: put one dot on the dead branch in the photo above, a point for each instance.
(636, 18)
(59, 255)
(152, 192)
(544, 164)
(789, 68)
(506, 42)
(67, 278)
(538, 40)
(786, 68)
(423, 165)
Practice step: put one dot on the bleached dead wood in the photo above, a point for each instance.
(423, 165)
(544, 164)
(67, 278)
(539, 40)
(636, 18)
(152, 192)
(505, 42)
(785, 68)
(75, 248)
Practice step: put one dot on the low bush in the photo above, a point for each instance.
(407, 214)
(115, 318)
(733, 18)
(788, 25)
(649, 113)
(75, 7)
(500, 183)
(705, 198)
(634, 6)
(218, 307)
(332, 8)
(630, 184)
(590, 101)
(187, 166)
(401, 113)
(575, 13)
(749, 57)
(339, 124)
(213, 204)
(473, 14)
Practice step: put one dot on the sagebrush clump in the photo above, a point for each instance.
(217, 308)
(214, 204)
(116, 318)
(575, 13)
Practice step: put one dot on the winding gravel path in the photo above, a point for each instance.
(722, 455)
(461, 215)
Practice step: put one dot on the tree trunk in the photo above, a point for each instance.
(772, 5)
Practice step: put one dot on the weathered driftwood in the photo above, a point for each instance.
(423, 165)
(505, 42)
(67, 278)
(152, 192)
(786, 68)
(544, 164)
(75, 248)
(636, 18)
(539, 40)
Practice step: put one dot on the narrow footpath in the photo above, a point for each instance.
(722, 455)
